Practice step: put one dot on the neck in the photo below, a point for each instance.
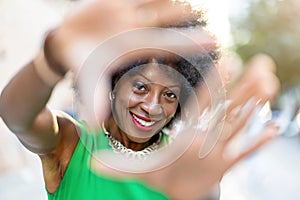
(123, 137)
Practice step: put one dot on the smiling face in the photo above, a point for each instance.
(146, 99)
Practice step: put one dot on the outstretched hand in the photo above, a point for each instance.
(93, 22)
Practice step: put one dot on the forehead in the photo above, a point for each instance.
(157, 73)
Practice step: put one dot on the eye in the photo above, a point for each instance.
(170, 95)
(139, 87)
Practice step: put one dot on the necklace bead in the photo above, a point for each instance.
(118, 147)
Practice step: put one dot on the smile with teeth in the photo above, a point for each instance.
(143, 122)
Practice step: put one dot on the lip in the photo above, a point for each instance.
(145, 119)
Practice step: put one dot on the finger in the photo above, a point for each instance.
(230, 66)
(234, 124)
(211, 98)
(258, 81)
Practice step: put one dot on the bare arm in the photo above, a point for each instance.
(23, 108)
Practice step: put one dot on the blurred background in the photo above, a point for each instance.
(244, 28)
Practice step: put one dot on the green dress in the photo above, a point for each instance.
(80, 182)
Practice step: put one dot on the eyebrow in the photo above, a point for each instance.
(169, 86)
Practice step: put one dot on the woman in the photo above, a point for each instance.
(143, 103)
(147, 96)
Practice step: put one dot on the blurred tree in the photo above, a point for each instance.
(272, 27)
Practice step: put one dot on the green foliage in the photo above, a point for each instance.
(272, 27)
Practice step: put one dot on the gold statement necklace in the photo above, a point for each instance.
(119, 148)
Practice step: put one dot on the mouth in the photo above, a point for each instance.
(142, 122)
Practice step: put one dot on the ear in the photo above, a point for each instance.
(111, 95)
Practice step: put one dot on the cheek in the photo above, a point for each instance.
(170, 109)
(134, 99)
(129, 100)
(124, 95)
(122, 101)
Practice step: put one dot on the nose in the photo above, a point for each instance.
(155, 109)
(152, 105)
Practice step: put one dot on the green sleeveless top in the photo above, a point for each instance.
(80, 182)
